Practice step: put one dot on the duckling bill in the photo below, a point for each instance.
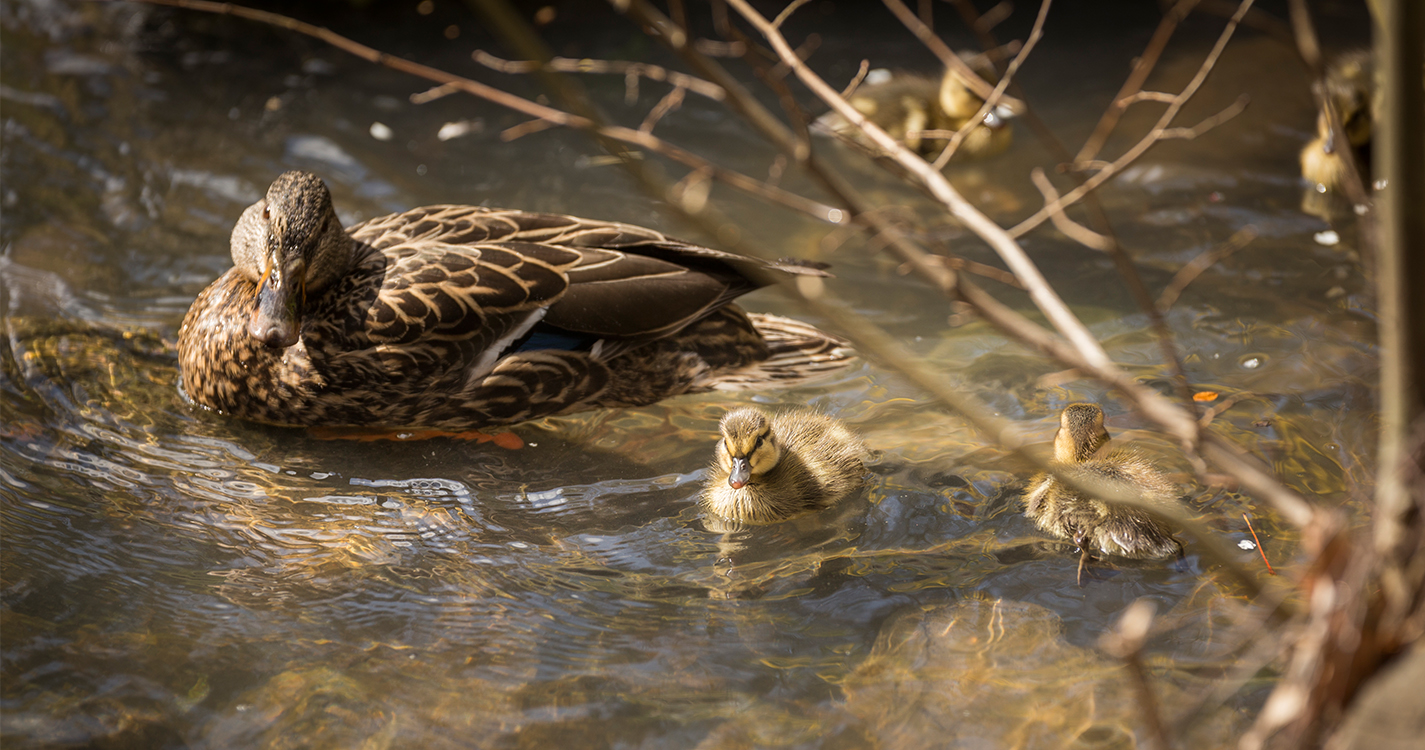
(771, 467)
(1081, 449)
(461, 317)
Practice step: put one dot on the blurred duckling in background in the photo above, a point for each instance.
(1352, 89)
(1081, 448)
(905, 104)
(771, 467)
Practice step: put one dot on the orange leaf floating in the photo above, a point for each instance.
(1204, 396)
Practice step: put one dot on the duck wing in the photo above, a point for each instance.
(462, 271)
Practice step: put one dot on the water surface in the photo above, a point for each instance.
(172, 578)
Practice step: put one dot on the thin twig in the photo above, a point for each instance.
(670, 102)
(1258, 543)
(856, 80)
(1074, 230)
(1148, 141)
(1188, 134)
(787, 12)
(1227, 403)
(621, 67)
(1207, 259)
(1142, 67)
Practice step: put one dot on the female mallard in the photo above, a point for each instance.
(907, 104)
(771, 467)
(460, 317)
(1081, 449)
(1351, 88)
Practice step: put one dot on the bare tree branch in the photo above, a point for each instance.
(621, 67)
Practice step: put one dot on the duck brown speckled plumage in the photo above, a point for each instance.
(770, 467)
(1081, 448)
(461, 317)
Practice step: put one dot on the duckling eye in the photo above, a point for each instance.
(266, 213)
(757, 444)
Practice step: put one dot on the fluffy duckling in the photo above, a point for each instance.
(905, 104)
(771, 467)
(1081, 447)
(1351, 88)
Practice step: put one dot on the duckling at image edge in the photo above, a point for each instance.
(769, 467)
(1081, 447)
(904, 104)
(461, 317)
(1352, 89)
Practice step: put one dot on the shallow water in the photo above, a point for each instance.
(172, 578)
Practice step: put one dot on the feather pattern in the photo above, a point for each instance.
(1082, 450)
(435, 317)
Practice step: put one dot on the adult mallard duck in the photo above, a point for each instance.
(460, 318)
(1351, 88)
(1081, 449)
(771, 467)
(907, 104)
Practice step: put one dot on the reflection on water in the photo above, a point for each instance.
(171, 578)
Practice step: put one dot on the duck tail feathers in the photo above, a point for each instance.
(798, 354)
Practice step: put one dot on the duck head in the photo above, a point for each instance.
(747, 449)
(1081, 435)
(291, 245)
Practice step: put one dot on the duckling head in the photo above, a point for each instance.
(1081, 435)
(956, 98)
(1351, 86)
(747, 449)
(959, 103)
(1351, 89)
(290, 244)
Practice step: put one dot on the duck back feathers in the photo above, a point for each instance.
(1083, 451)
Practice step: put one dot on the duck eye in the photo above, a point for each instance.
(266, 213)
(757, 444)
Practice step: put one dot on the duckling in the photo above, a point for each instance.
(772, 467)
(1081, 447)
(1352, 90)
(905, 104)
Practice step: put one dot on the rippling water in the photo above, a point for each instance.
(172, 578)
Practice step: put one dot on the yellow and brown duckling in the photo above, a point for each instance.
(770, 467)
(1081, 449)
(461, 317)
(907, 104)
(1352, 89)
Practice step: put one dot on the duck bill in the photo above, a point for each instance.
(277, 321)
(741, 473)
